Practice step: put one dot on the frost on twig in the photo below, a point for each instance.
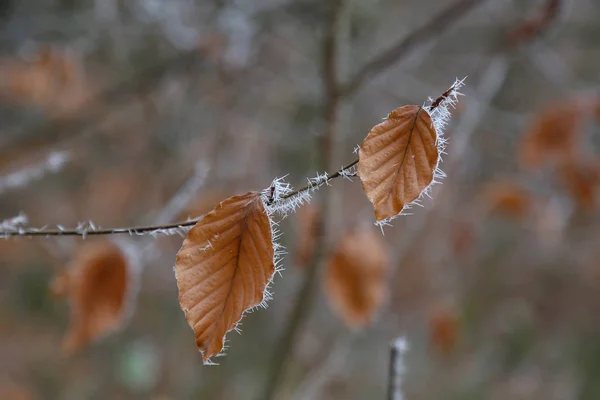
(281, 198)
(53, 163)
(14, 224)
(439, 109)
(87, 228)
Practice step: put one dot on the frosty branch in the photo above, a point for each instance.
(278, 197)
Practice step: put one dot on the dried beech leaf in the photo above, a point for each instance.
(397, 160)
(553, 134)
(223, 269)
(355, 277)
(96, 285)
(508, 198)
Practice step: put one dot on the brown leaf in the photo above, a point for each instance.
(355, 277)
(444, 330)
(96, 285)
(508, 198)
(223, 268)
(553, 134)
(397, 160)
(307, 221)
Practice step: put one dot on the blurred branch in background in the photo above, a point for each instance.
(284, 349)
(334, 92)
(93, 110)
(435, 27)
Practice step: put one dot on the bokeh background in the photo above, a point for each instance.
(494, 283)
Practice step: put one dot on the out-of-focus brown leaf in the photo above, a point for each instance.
(307, 221)
(355, 277)
(397, 160)
(96, 285)
(553, 134)
(53, 80)
(581, 180)
(444, 330)
(508, 198)
(223, 268)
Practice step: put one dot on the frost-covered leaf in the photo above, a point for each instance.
(355, 277)
(223, 268)
(96, 284)
(398, 160)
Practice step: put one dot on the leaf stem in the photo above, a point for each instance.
(88, 229)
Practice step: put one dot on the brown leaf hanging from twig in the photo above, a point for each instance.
(397, 160)
(355, 277)
(223, 269)
(96, 285)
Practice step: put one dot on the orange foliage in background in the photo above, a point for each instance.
(508, 198)
(355, 277)
(444, 330)
(553, 134)
(95, 285)
(53, 80)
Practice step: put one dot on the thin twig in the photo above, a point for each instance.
(434, 27)
(89, 229)
(396, 368)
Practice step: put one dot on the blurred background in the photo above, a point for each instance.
(110, 109)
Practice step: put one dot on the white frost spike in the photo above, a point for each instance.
(441, 114)
(15, 223)
(276, 200)
(348, 173)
